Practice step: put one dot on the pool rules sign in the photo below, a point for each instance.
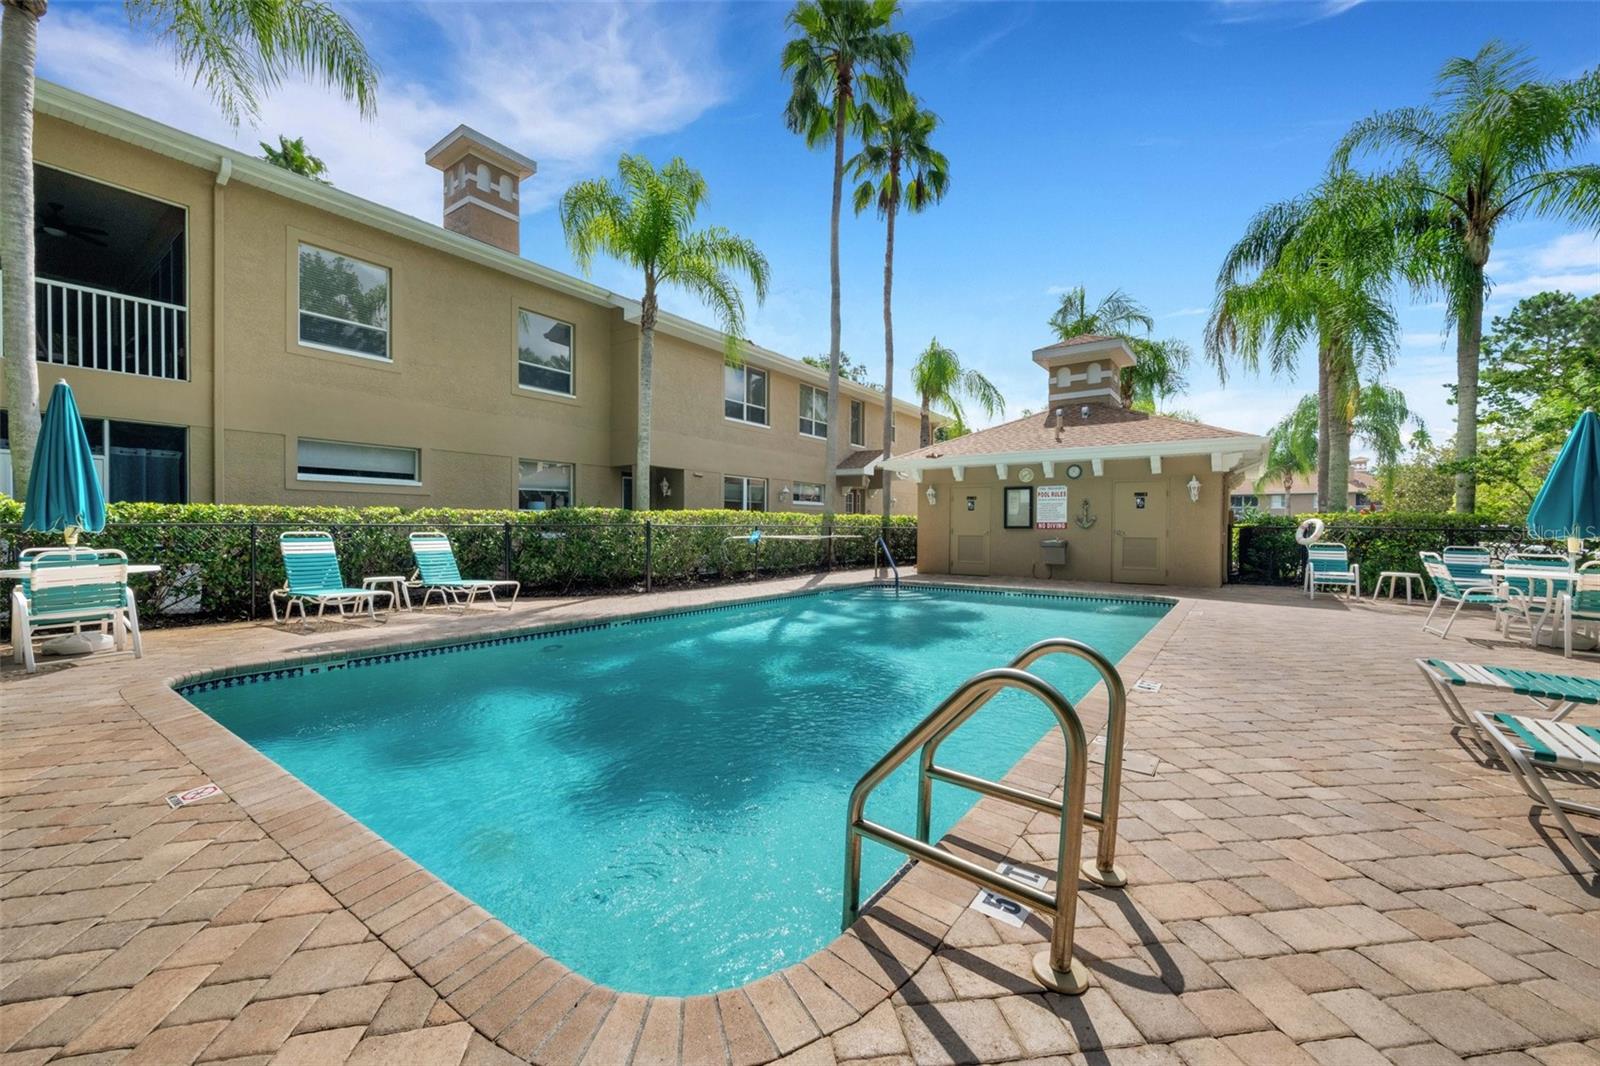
(1050, 507)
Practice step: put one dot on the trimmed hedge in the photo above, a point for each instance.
(1265, 551)
(206, 550)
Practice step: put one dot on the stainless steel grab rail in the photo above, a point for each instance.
(889, 555)
(1103, 869)
(1056, 969)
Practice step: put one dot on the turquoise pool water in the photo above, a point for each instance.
(659, 804)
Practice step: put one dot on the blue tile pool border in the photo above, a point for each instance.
(234, 677)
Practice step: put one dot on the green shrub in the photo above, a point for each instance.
(205, 550)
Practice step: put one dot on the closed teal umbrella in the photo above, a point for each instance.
(64, 493)
(1568, 504)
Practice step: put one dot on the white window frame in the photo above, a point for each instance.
(765, 409)
(356, 479)
(861, 406)
(813, 390)
(388, 333)
(744, 492)
(572, 482)
(572, 355)
(795, 493)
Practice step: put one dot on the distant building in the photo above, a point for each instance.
(1274, 497)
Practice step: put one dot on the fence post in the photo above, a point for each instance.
(649, 554)
(253, 601)
(505, 549)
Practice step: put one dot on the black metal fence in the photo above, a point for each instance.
(212, 571)
(1269, 555)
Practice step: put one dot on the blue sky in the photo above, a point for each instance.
(1105, 145)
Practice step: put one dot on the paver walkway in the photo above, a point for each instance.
(1320, 873)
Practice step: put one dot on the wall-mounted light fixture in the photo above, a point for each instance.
(666, 487)
(786, 493)
(933, 495)
(1194, 489)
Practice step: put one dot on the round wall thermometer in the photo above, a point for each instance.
(1025, 475)
(1074, 471)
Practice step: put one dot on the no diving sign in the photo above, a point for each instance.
(194, 795)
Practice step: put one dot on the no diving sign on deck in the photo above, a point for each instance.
(194, 795)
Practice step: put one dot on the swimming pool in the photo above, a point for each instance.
(659, 802)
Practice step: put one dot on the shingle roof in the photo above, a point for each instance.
(1361, 480)
(859, 459)
(1064, 428)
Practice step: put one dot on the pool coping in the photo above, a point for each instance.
(534, 1006)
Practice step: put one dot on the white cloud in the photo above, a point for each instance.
(1572, 251)
(1187, 312)
(1300, 11)
(570, 86)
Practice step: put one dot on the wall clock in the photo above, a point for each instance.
(1074, 471)
(1025, 475)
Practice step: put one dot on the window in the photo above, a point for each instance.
(1019, 508)
(344, 304)
(544, 486)
(143, 464)
(1278, 501)
(544, 353)
(744, 394)
(328, 460)
(744, 493)
(813, 411)
(858, 424)
(807, 494)
(855, 501)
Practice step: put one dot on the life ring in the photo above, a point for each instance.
(1309, 532)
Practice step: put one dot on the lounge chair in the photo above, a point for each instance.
(312, 568)
(1555, 694)
(437, 573)
(1328, 566)
(1448, 588)
(1528, 745)
(68, 588)
(1580, 608)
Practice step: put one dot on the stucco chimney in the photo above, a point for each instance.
(482, 178)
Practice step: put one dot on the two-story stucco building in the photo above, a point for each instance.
(238, 333)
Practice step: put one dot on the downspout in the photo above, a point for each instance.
(218, 427)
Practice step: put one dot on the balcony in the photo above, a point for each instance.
(95, 329)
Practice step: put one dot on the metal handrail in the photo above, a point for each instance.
(1056, 969)
(883, 546)
(1103, 869)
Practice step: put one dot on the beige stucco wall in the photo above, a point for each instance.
(1195, 536)
(450, 390)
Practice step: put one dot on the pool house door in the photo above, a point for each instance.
(971, 513)
(1139, 525)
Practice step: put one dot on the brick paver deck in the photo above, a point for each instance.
(1321, 872)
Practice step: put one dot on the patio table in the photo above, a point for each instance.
(1551, 578)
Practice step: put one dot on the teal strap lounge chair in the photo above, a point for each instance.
(1459, 591)
(1468, 563)
(438, 574)
(1580, 608)
(1531, 746)
(312, 569)
(1555, 694)
(1328, 566)
(69, 588)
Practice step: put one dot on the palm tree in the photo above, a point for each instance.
(1319, 269)
(1291, 446)
(1495, 146)
(235, 49)
(645, 220)
(895, 133)
(293, 157)
(1159, 364)
(836, 43)
(939, 378)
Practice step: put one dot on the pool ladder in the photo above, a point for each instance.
(1056, 969)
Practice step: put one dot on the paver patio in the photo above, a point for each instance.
(1320, 873)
